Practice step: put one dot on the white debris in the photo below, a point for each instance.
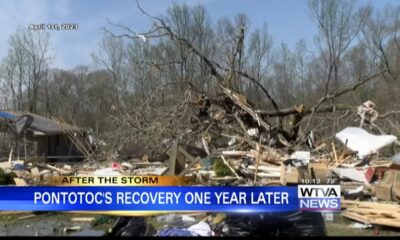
(187, 219)
(231, 142)
(357, 190)
(355, 174)
(169, 218)
(363, 142)
(5, 165)
(328, 216)
(141, 37)
(106, 172)
(253, 132)
(150, 171)
(304, 156)
(358, 225)
(201, 229)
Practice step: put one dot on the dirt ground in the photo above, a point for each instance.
(52, 224)
(340, 227)
(47, 224)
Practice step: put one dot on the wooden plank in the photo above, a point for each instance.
(283, 175)
(387, 222)
(334, 153)
(26, 217)
(205, 146)
(196, 160)
(270, 175)
(182, 157)
(20, 182)
(82, 219)
(258, 148)
(356, 217)
(351, 203)
(10, 157)
(5, 165)
(62, 171)
(35, 172)
(372, 219)
(11, 213)
(375, 211)
(172, 159)
(186, 154)
(235, 153)
(266, 168)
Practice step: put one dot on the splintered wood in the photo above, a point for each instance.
(240, 101)
(272, 156)
(372, 213)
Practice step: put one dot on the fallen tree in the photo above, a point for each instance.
(234, 104)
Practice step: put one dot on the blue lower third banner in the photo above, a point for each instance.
(154, 199)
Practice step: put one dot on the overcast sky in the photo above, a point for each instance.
(288, 20)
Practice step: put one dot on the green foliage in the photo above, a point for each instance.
(6, 178)
(103, 219)
(221, 170)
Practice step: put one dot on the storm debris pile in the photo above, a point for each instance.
(231, 144)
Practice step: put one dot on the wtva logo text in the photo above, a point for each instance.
(319, 197)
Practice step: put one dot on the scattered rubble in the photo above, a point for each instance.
(74, 228)
(242, 151)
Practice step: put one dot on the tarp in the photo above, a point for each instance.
(291, 224)
(7, 115)
(36, 123)
(49, 126)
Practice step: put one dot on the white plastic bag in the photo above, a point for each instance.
(362, 141)
(201, 229)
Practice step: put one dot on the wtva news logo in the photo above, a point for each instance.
(319, 198)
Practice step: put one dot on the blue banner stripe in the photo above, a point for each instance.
(23, 198)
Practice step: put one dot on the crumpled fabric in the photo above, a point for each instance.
(291, 224)
(202, 229)
(175, 232)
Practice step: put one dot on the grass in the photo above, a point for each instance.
(221, 170)
(8, 221)
(339, 227)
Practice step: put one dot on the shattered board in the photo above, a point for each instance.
(363, 142)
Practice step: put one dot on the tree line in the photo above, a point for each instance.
(128, 73)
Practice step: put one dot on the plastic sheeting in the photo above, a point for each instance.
(7, 115)
(128, 227)
(363, 175)
(175, 232)
(273, 224)
(362, 141)
(201, 229)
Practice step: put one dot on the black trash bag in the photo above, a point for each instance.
(128, 227)
(273, 224)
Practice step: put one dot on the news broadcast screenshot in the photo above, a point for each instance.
(191, 118)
